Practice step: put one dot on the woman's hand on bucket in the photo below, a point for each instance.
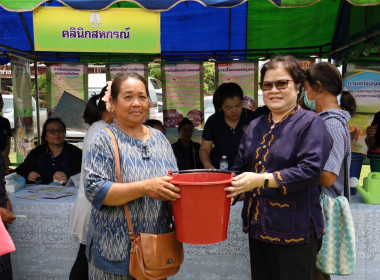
(243, 183)
(160, 188)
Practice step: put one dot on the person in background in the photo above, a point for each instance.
(186, 151)
(279, 161)
(54, 159)
(155, 124)
(225, 127)
(323, 84)
(146, 157)
(96, 115)
(5, 135)
(373, 133)
(7, 217)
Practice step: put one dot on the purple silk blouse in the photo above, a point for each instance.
(295, 151)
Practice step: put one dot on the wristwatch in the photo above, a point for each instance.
(266, 180)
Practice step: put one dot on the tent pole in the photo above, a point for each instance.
(26, 31)
(17, 51)
(37, 101)
(229, 31)
(337, 22)
(355, 43)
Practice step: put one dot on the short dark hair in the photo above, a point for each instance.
(332, 81)
(51, 120)
(290, 64)
(153, 122)
(224, 91)
(94, 107)
(184, 122)
(120, 78)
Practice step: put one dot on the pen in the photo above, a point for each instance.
(20, 216)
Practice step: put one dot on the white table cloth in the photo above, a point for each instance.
(46, 251)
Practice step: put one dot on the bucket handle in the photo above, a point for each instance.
(200, 171)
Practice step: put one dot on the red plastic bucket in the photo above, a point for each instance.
(202, 213)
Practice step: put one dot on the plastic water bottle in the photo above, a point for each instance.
(223, 163)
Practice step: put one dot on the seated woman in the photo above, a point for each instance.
(54, 159)
(185, 150)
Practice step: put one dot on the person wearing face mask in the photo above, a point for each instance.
(322, 86)
(225, 128)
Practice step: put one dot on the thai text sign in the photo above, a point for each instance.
(114, 69)
(242, 73)
(365, 87)
(182, 83)
(119, 30)
(66, 77)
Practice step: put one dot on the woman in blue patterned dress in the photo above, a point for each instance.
(145, 158)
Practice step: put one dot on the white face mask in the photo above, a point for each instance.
(311, 104)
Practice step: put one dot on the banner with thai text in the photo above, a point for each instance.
(364, 85)
(245, 75)
(183, 93)
(362, 80)
(23, 107)
(66, 77)
(114, 69)
(115, 30)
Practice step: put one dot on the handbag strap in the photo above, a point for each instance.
(346, 185)
(346, 191)
(118, 176)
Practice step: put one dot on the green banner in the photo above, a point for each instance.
(120, 30)
(71, 78)
(183, 93)
(23, 110)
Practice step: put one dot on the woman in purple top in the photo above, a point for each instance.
(279, 161)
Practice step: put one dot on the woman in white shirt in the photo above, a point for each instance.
(98, 117)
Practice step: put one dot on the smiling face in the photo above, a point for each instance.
(280, 101)
(132, 104)
(232, 108)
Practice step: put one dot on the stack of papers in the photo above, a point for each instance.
(38, 192)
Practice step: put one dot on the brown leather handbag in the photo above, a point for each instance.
(152, 256)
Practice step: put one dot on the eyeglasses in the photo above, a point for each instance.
(280, 84)
(58, 131)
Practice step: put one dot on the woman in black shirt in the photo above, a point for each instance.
(185, 150)
(54, 159)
